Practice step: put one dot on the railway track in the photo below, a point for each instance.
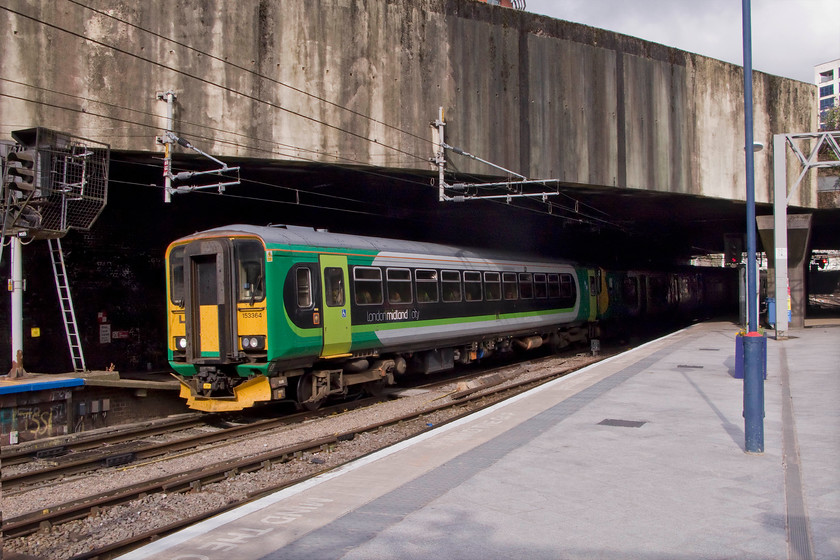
(101, 453)
(72, 456)
(458, 402)
(60, 446)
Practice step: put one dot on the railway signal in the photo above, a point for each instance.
(733, 248)
(51, 182)
(21, 171)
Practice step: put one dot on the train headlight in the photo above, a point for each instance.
(181, 342)
(253, 342)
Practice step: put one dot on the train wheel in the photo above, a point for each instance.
(305, 392)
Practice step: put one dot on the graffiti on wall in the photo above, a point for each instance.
(34, 421)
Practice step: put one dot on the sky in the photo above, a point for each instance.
(789, 37)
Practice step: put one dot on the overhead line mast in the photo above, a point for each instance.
(168, 140)
(514, 188)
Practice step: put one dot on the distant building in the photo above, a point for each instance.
(827, 78)
(518, 4)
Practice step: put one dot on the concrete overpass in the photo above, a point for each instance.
(356, 82)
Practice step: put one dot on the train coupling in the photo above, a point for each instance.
(210, 382)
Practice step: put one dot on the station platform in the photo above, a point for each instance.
(45, 381)
(37, 407)
(30, 383)
(639, 456)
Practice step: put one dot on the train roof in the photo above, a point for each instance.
(297, 235)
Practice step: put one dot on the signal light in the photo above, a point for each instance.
(21, 170)
(733, 248)
(822, 263)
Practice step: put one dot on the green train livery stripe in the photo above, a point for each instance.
(562, 314)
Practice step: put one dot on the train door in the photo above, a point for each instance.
(210, 331)
(593, 295)
(335, 305)
(603, 292)
(643, 295)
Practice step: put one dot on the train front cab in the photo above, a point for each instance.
(218, 321)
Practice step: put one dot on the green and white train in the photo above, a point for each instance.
(260, 314)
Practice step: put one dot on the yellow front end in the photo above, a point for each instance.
(245, 395)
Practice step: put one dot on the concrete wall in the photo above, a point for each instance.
(544, 97)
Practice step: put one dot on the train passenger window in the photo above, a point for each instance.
(630, 290)
(509, 285)
(526, 285)
(176, 276)
(427, 286)
(334, 286)
(399, 285)
(658, 289)
(450, 281)
(540, 286)
(472, 286)
(553, 285)
(304, 287)
(205, 276)
(367, 285)
(566, 286)
(492, 286)
(250, 270)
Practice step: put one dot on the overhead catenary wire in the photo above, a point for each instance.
(572, 213)
(579, 219)
(262, 183)
(297, 190)
(259, 199)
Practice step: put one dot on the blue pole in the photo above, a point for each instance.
(753, 355)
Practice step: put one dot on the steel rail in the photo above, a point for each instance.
(147, 450)
(61, 445)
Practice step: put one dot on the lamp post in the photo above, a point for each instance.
(753, 342)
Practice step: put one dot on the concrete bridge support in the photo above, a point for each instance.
(798, 237)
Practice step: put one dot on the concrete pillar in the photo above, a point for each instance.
(798, 238)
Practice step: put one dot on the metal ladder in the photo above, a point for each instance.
(67, 312)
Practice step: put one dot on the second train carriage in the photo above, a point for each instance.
(270, 313)
(684, 293)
